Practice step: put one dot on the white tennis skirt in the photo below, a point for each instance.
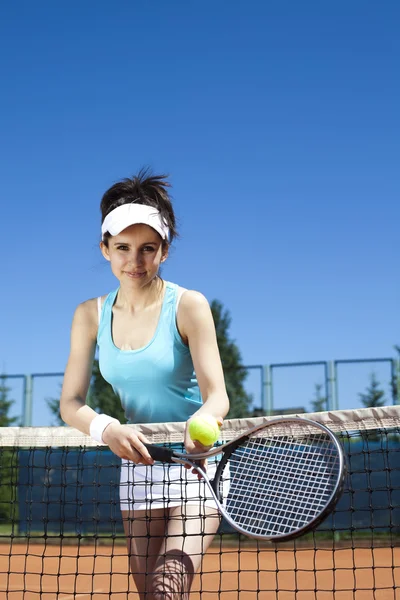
(165, 486)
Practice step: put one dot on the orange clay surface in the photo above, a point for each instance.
(80, 575)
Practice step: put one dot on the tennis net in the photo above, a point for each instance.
(62, 537)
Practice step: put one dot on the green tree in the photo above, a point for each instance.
(5, 404)
(8, 460)
(54, 406)
(235, 373)
(320, 402)
(373, 396)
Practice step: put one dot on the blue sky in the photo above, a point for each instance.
(279, 126)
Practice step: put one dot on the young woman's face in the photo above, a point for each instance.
(135, 254)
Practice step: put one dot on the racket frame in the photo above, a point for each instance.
(166, 455)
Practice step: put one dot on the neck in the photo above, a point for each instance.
(136, 300)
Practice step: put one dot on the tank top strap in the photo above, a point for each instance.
(99, 309)
(105, 313)
(179, 293)
(171, 302)
(175, 293)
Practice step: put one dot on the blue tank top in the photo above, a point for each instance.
(155, 383)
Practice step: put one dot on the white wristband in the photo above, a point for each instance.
(98, 425)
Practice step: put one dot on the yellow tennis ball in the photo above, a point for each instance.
(204, 429)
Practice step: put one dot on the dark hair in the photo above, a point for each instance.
(143, 188)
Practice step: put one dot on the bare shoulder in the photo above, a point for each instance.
(86, 316)
(86, 308)
(192, 300)
(194, 313)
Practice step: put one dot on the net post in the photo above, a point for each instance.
(396, 365)
(28, 394)
(267, 390)
(332, 388)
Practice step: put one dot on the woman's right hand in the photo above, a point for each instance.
(127, 443)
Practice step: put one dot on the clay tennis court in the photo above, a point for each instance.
(69, 573)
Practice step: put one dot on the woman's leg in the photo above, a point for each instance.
(166, 549)
(166, 546)
(145, 532)
(188, 537)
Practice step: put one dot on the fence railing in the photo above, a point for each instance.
(264, 384)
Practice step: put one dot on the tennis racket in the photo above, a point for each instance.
(285, 476)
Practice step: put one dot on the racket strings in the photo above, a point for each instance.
(279, 482)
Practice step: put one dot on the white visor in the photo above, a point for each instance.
(130, 214)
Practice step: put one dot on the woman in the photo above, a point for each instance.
(158, 349)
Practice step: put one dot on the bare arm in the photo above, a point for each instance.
(122, 440)
(73, 408)
(196, 324)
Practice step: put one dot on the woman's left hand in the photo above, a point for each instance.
(194, 447)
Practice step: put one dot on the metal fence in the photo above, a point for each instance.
(275, 388)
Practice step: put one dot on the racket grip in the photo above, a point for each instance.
(160, 453)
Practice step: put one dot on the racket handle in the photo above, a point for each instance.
(160, 453)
